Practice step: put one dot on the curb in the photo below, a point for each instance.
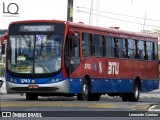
(154, 108)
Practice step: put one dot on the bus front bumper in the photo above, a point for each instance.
(59, 87)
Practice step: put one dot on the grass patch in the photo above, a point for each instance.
(2, 71)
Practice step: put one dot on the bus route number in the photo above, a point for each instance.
(87, 66)
(25, 80)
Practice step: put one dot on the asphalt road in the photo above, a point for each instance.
(64, 107)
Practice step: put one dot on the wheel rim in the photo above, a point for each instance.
(136, 92)
(85, 92)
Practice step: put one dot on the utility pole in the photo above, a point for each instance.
(97, 11)
(144, 21)
(131, 1)
(90, 16)
(70, 10)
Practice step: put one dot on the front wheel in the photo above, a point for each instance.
(85, 91)
(86, 94)
(134, 96)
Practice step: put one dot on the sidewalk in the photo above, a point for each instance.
(152, 94)
(3, 87)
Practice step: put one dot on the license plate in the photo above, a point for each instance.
(33, 86)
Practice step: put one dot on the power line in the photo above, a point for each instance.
(118, 19)
(90, 12)
(120, 14)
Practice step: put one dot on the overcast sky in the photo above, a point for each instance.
(115, 12)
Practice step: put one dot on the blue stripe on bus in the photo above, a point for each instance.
(113, 85)
(75, 85)
(149, 85)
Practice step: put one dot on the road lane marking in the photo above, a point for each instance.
(75, 104)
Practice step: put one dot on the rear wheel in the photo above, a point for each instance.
(31, 96)
(134, 96)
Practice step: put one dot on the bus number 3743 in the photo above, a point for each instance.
(25, 80)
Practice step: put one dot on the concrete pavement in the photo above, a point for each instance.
(152, 94)
(3, 87)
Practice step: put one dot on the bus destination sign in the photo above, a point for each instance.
(36, 28)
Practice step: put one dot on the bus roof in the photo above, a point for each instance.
(29, 21)
(112, 30)
(95, 28)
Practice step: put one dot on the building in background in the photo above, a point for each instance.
(155, 32)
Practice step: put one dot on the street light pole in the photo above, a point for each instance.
(70, 11)
(97, 11)
(144, 21)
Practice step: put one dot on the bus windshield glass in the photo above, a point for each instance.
(35, 53)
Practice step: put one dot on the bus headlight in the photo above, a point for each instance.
(11, 79)
(53, 80)
(57, 79)
(15, 80)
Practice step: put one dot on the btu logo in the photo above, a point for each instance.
(113, 68)
(11, 8)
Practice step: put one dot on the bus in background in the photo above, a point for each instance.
(3, 45)
(51, 58)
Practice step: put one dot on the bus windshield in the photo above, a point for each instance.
(34, 54)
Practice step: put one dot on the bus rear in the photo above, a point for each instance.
(34, 58)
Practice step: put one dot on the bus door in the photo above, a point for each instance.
(72, 52)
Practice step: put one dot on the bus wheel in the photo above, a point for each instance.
(31, 96)
(85, 91)
(134, 96)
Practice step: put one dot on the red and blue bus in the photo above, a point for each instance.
(52, 58)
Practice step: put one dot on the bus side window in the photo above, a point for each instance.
(76, 51)
(126, 48)
(132, 50)
(137, 49)
(122, 49)
(109, 43)
(149, 50)
(145, 51)
(155, 51)
(97, 45)
(141, 50)
(86, 44)
(116, 47)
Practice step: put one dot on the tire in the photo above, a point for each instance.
(31, 96)
(86, 92)
(134, 96)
